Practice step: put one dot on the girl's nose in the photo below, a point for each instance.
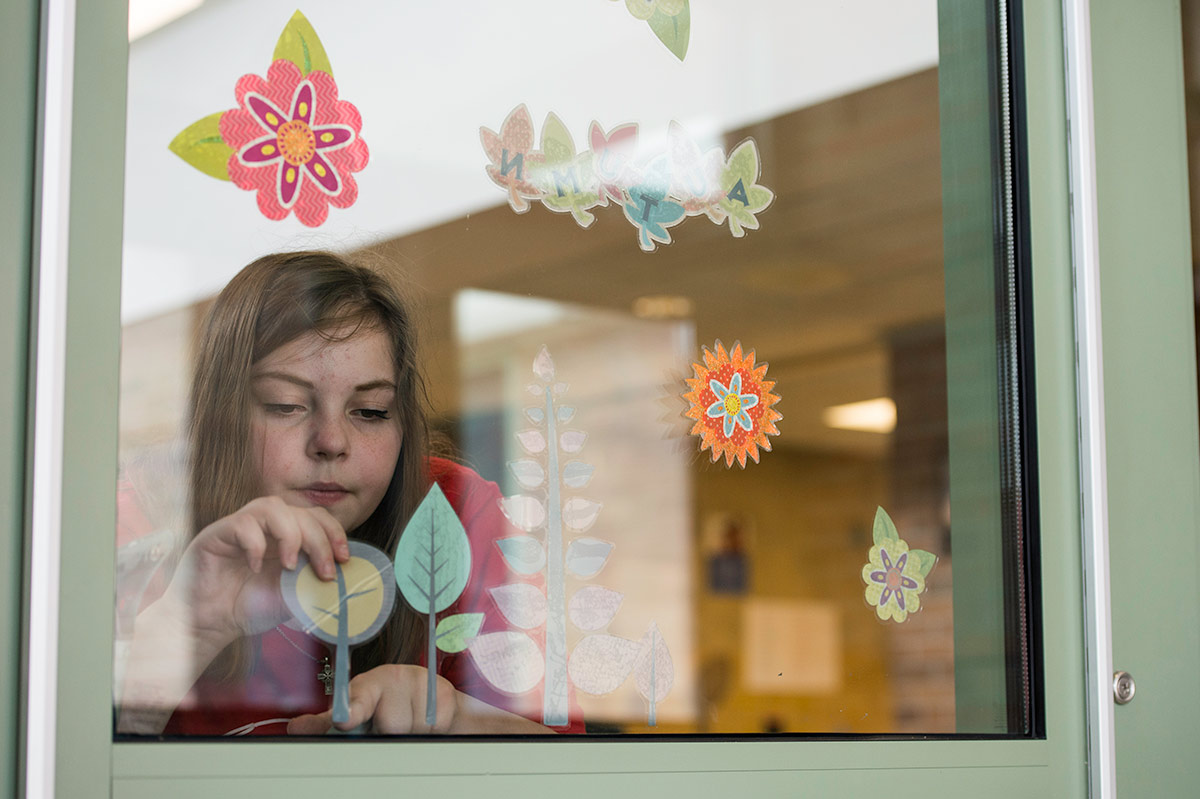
(328, 439)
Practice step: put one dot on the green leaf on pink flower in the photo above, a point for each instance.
(201, 145)
(566, 179)
(300, 44)
(743, 197)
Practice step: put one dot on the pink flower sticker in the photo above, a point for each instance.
(295, 143)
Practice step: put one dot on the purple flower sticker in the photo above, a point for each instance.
(894, 574)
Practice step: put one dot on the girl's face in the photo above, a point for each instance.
(324, 423)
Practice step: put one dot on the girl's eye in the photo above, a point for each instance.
(282, 409)
(372, 414)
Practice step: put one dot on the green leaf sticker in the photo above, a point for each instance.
(925, 561)
(433, 557)
(744, 198)
(432, 566)
(673, 30)
(565, 179)
(884, 529)
(300, 44)
(201, 145)
(454, 633)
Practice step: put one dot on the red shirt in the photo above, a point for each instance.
(283, 682)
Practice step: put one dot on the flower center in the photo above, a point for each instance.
(733, 404)
(893, 579)
(296, 142)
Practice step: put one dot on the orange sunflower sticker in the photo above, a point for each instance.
(731, 404)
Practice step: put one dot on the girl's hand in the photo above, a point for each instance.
(393, 699)
(227, 582)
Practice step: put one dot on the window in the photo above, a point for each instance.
(707, 293)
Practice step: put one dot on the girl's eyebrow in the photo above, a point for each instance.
(374, 384)
(299, 381)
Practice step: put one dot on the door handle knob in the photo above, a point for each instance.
(1123, 688)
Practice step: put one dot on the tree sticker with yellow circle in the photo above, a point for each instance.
(346, 611)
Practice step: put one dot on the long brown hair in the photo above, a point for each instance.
(271, 302)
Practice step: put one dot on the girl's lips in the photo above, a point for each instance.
(324, 494)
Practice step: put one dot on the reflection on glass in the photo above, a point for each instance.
(621, 580)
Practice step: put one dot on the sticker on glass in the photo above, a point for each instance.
(345, 612)
(671, 21)
(731, 403)
(655, 190)
(432, 566)
(290, 139)
(894, 574)
(554, 521)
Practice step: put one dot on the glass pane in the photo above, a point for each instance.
(622, 361)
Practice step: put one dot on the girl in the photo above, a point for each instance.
(307, 425)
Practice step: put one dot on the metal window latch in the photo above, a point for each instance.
(1123, 688)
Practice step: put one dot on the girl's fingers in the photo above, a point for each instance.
(334, 532)
(315, 543)
(281, 524)
(248, 534)
(392, 698)
(317, 724)
(367, 700)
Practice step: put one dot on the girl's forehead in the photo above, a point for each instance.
(367, 349)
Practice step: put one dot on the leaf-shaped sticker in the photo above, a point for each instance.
(600, 663)
(433, 556)
(593, 606)
(576, 474)
(587, 556)
(579, 514)
(648, 208)
(524, 555)
(743, 197)
(612, 159)
(695, 176)
(522, 604)
(532, 440)
(560, 388)
(300, 44)
(543, 366)
(673, 31)
(884, 528)
(454, 633)
(654, 671)
(528, 513)
(925, 561)
(513, 158)
(201, 145)
(572, 440)
(529, 473)
(535, 415)
(565, 178)
(565, 413)
(510, 661)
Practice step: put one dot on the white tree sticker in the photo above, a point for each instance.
(553, 544)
